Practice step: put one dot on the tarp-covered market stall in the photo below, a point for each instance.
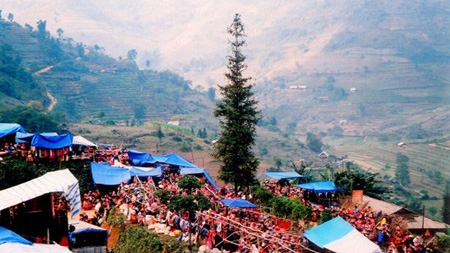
(339, 236)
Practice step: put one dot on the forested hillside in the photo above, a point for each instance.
(79, 82)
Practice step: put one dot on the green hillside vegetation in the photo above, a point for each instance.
(85, 83)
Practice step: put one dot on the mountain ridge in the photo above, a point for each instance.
(190, 38)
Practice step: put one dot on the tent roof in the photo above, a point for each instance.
(238, 203)
(14, 243)
(210, 179)
(7, 235)
(283, 174)
(339, 236)
(175, 159)
(34, 248)
(52, 142)
(191, 171)
(159, 159)
(10, 128)
(80, 140)
(106, 174)
(146, 172)
(55, 181)
(323, 186)
(84, 227)
(28, 137)
(140, 158)
(415, 220)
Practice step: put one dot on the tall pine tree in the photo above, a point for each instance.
(238, 116)
(446, 206)
(402, 169)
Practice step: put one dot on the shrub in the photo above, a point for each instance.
(164, 196)
(177, 139)
(189, 183)
(138, 239)
(261, 196)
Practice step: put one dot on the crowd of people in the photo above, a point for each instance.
(373, 224)
(224, 229)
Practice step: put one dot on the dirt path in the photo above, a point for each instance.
(53, 103)
(46, 69)
(438, 146)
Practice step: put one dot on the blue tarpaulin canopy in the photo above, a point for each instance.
(88, 229)
(191, 171)
(238, 203)
(144, 172)
(283, 174)
(339, 236)
(7, 235)
(10, 128)
(24, 138)
(27, 138)
(52, 142)
(177, 160)
(210, 180)
(194, 171)
(107, 175)
(159, 158)
(140, 158)
(322, 186)
(12, 242)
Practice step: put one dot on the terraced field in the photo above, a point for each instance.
(429, 163)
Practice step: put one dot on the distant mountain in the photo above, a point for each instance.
(284, 38)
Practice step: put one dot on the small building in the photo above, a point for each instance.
(323, 155)
(174, 123)
(415, 223)
(402, 145)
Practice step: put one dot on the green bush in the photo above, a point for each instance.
(164, 196)
(325, 216)
(300, 211)
(189, 183)
(261, 196)
(116, 219)
(177, 139)
(138, 239)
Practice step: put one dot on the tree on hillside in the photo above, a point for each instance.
(60, 32)
(313, 142)
(238, 116)
(446, 206)
(132, 54)
(42, 29)
(402, 169)
(31, 118)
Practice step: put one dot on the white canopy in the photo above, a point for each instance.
(11, 247)
(81, 226)
(80, 140)
(55, 181)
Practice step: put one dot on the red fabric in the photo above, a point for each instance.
(286, 225)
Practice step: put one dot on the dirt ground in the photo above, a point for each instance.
(113, 234)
